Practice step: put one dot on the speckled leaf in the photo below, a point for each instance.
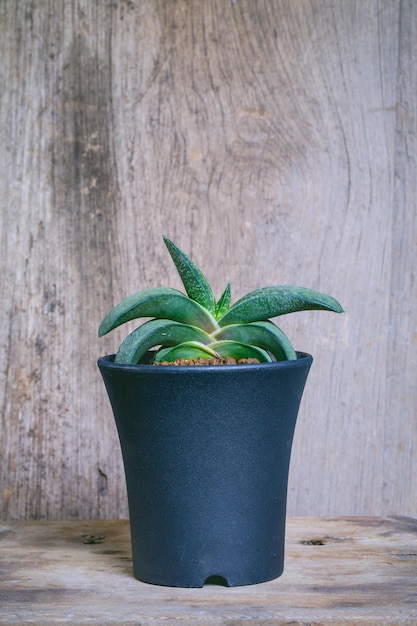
(194, 281)
(157, 333)
(159, 302)
(268, 302)
(239, 350)
(224, 302)
(265, 335)
(187, 350)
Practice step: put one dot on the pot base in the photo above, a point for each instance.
(213, 579)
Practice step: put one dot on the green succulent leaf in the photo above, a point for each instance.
(191, 350)
(239, 350)
(194, 281)
(157, 333)
(198, 326)
(188, 350)
(268, 302)
(159, 302)
(266, 335)
(223, 303)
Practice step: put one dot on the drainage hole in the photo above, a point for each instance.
(216, 580)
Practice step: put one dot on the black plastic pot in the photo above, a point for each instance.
(206, 452)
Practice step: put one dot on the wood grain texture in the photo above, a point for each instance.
(275, 142)
(338, 571)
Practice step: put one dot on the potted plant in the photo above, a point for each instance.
(205, 396)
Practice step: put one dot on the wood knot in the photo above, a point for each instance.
(89, 539)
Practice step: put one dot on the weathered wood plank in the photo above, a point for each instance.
(400, 441)
(275, 142)
(339, 571)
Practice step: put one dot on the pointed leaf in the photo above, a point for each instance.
(267, 302)
(159, 302)
(265, 335)
(223, 304)
(157, 333)
(188, 350)
(239, 350)
(193, 279)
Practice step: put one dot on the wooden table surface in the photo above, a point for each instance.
(338, 571)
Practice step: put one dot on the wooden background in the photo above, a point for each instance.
(275, 142)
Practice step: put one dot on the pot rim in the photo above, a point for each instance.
(108, 361)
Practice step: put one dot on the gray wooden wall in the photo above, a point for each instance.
(275, 142)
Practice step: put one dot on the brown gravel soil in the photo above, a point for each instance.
(215, 361)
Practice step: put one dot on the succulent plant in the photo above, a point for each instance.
(196, 325)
